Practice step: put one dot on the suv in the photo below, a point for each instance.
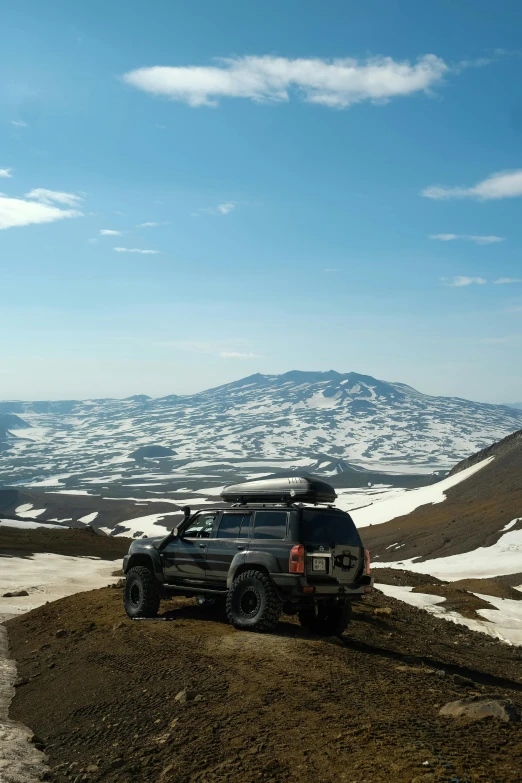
(262, 554)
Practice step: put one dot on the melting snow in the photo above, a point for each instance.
(504, 557)
(88, 518)
(505, 620)
(408, 500)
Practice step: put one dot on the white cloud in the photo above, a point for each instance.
(224, 209)
(337, 83)
(18, 212)
(137, 250)
(51, 196)
(461, 281)
(221, 209)
(331, 269)
(478, 240)
(109, 232)
(504, 184)
(239, 355)
(6, 172)
(507, 280)
(19, 123)
(153, 224)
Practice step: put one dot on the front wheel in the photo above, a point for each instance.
(141, 596)
(326, 619)
(253, 603)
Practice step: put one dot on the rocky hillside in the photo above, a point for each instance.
(477, 512)
(322, 423)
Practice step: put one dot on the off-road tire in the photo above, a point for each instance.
(253, 603)
(141, 596)
(326, 619)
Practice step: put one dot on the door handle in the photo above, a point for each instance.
(241, 547)
(202, 546)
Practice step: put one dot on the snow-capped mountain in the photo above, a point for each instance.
(310, 421)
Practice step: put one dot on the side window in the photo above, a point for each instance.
(270, 524)
(234, 526)
(201, 526)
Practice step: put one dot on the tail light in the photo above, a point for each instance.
(367, 563)
(296, 564)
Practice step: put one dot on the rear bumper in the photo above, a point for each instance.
(293, 586)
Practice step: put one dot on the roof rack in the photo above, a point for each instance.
(285, 491)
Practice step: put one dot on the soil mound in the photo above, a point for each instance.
(190, 699)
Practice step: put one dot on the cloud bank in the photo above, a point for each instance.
(504, 184)
(336, 83)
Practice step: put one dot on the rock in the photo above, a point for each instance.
(383, 610)
(61, 632)
(92, 768)
(120, 584)
(15, 594)
(184, 696)
(458, 680)
(477, 708)
(119, 625)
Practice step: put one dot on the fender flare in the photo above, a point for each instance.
(245, 560)
(148, 556)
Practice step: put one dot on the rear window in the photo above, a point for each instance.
(270, 524)
(320, 527)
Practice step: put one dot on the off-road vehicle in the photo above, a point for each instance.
(274, 546)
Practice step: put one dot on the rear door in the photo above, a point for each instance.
(270, 535)
(333, 548)
(233, 535)
(185, 558)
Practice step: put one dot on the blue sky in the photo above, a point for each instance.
(295, 158)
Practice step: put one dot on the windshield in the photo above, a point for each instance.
(329, 527)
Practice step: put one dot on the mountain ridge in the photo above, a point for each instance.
(258, 424)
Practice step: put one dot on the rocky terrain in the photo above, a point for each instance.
(331, 424)
(189, 699)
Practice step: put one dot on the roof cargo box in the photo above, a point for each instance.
(280, 490)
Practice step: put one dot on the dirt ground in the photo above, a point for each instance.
(99, 691)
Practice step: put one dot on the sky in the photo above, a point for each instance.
(195, 192)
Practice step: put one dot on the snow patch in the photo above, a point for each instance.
(408, 500)
(504, 557)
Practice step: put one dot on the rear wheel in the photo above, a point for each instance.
(326, 619)
(253, 603)
(141, 596)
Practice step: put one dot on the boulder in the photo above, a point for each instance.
(479, 707)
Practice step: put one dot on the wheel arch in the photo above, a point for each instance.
(147, 561)
(252, 561)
